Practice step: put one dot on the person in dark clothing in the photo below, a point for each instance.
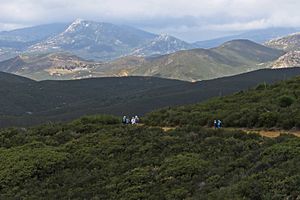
(219, 124)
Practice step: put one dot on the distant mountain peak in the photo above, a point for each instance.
(164, 36)
(288, 43)
(163, 44)
(78, 23)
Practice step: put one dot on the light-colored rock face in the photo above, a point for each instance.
(288, 43)
(290, 59)
(162, 44)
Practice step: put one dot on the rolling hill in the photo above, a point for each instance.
(234, 57)
(99, 158)
(50, 66)
(231, 58)
(266, 106)
(258, 36)
(25, 102)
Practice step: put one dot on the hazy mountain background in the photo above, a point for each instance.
(105, 41)
(258, 36)
(89, 40)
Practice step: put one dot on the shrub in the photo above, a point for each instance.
(285, 101)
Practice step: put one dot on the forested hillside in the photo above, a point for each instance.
(269, 106)
(98, 158)
(25, 102)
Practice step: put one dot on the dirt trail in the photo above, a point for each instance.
(265, 133)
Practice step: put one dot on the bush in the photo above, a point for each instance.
(268, 119)
(285, 101)
(98, 119)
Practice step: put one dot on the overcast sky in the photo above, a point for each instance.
(187, 19)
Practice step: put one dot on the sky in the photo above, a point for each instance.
(190, 20)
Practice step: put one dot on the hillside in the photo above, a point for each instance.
(287, 43)
(98, 158)
(15, 42)
(259, 36)
(50, 66)
(162, 44)
(25, 102)
(266, 106)
(234, 57)
(290, 59)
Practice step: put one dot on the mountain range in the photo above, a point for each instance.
(27, 102)
(89, 40)
(86, 49)
(104, 41)
(231, 58)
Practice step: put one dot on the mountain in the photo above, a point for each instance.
(50, 66)
(162, 44)
(32, 34)
(231, 58)
(287, 43)
(95, 40)
(290, 59)
(258, 36)
(87, 39)
(103, 41)
(26, 102)
(13, 43)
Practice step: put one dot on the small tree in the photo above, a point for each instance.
(285, 101)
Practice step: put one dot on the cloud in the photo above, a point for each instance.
(158, 15)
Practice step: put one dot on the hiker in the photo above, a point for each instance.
(137, 119)
(215, 124)
(219, 124)
(127, 120)
(133, 121)
(124, 119)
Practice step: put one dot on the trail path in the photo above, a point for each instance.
(265, 133)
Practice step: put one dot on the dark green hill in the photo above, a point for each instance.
(97, 158)
(268, 106)
(24, 102)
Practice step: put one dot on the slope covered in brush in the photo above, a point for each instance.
(264, 106)
(25, 102)
(97, 158)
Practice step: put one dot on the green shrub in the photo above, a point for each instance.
(268, 119)
(285, 101)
